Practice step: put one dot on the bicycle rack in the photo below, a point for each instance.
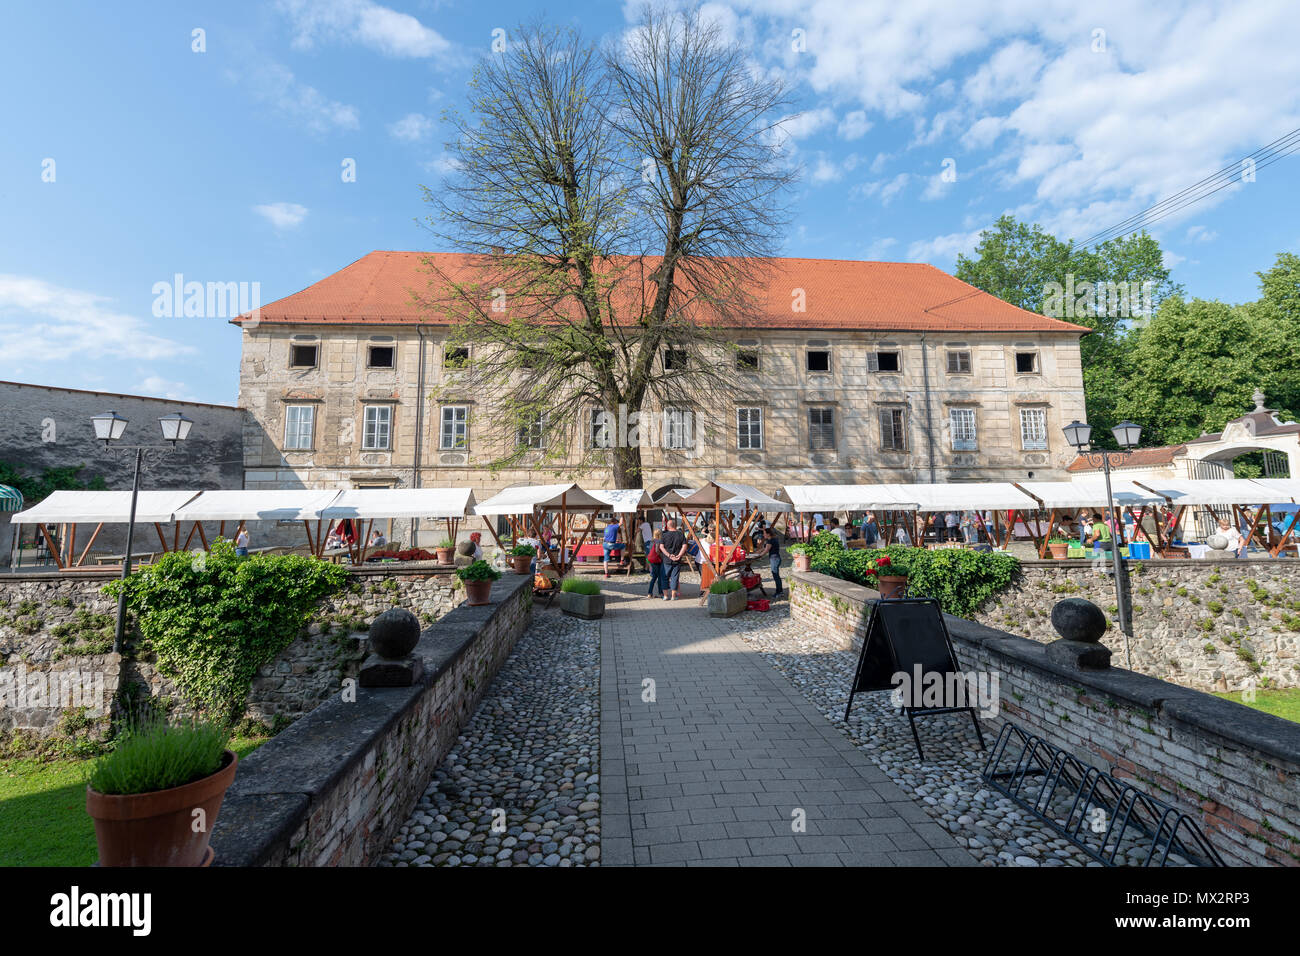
(1097, 813)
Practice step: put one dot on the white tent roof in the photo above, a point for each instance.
(813, 498)
(401, 503)
(110, 507)
(729, 495)
(1089, 493)
(1284, 489)
(523, 501)
(293, 504)
(962, 495)
(624, 501)
(1224, 491)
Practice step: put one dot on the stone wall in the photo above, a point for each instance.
(1210, 625)
(59, 627)
(333, 789)
(1234, 769)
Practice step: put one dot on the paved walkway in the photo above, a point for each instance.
(720, 763)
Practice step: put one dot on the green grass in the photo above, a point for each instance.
(43, 806)
(579, 586)
(1284, 703)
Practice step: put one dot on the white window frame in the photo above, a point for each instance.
(958, 354)
(296, 428)
(532, 434)
(679, 428)
(965, 430)
(370, 354)
(820, 427)
(377, 428)
(595, 427)
(1033, 429)
(749, 428)
(453, 424)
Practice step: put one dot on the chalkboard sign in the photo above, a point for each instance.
(907, 636)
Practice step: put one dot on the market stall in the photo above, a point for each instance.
(237, 507)
(735, 508)
(1247, 503)
(363, 506)
(534, 509)
(1068, 498)
(66, 510)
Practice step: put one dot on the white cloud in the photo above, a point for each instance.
(883, 189)
(411, 128)
(157, 386)
(282, 215)
(877, 248)
(43, 322)
(1169, 259)
(854, 125)
(276, 86)
(827, 169)
(443, 165)
(1201, 234)
(942, 250)
(369, 24)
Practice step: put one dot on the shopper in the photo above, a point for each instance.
(610, 544)
(773, 554)
(655, 565)
(672, 546)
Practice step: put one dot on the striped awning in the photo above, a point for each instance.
(11, 499)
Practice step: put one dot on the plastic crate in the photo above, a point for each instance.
(1140, 550)
(760, 604)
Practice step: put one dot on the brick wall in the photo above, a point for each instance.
(333, 789)
(1234, 769)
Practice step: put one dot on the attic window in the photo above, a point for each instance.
(883, 362)
(456, 357)
(819, 360)
(381, 356)
(747, 360)
(302, 356)
(1026, 363)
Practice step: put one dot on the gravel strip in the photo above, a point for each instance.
(532, 750)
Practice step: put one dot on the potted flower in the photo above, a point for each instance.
(521, 557)
(477, 578)
(445, 550)
(891, 579)
(727, 598)
(582, 598)
(155, 797)
(1059, 547)
(802, 559)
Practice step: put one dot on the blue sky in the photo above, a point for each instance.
(225, 165)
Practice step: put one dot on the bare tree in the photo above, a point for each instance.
(621, 205)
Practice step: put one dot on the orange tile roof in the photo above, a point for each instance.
(1138, 458)
(378, 289)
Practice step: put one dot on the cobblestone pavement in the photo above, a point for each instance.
(710, 757)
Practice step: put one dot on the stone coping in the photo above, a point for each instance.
(276, 785)
(1239, 726)
(111, 572)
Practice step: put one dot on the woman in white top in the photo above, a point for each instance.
(1233, 536)
(241, 543)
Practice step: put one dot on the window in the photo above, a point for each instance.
(883, 362)
(381, 356)
(1033, 429)
(958, 363)
(747, 360)
(675, 360)
(299, 422)
(455, 427)
(532, 432)
(749, 429)
(893, 431)
(819, 360)
(962, 421)
(679, 431)
(601, 432)
(377, 428)
(302, 356)
(1026, 363)
(455, 357)
(821, 429)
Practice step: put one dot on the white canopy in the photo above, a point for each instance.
(624, 501)
(1089, 493)
(1284, 490)
(296, 504)
(728, 495)
(401, 503)
(814, 498)
(964, 495)
(1213, 491)
(109, 507)
(524, 501)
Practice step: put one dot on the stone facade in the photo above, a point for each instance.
(1234, 770)
(334, 788)
(62, 624)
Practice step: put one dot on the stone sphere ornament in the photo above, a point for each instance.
(394, 634)
(1078, 620)
(1217, 542)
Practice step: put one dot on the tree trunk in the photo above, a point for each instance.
(627, 466)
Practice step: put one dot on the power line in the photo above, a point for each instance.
(1263, 157)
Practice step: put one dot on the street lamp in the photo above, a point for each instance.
(1127, 435)
(109, 428)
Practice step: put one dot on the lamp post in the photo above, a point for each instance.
(109, 428)
(1127, 435)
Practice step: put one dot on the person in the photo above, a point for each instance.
(870, 530)
(476, 536)
(1233, 536)
(836, 530)
(900, 535)
(610, 542)
(655, 565)
(647, 535)
(950, 523)
(1099, 536)
(241, 542)
(334, 540)
(819, 523)
(376, 539)
(970, 531)
(672, 546)
(772, 551)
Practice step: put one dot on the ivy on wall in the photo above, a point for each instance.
(213, 619)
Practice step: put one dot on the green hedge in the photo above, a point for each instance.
(959, 578)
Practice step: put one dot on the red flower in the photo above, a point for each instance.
(883, 561)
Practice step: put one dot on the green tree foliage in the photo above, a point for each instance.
(51, 480)
(214, 619)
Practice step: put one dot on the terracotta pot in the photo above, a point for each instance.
(478, 592)
(445, 555)
(1059, 551)
(802, 562)
(157, 829)
(892, 585)
(521, 563)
